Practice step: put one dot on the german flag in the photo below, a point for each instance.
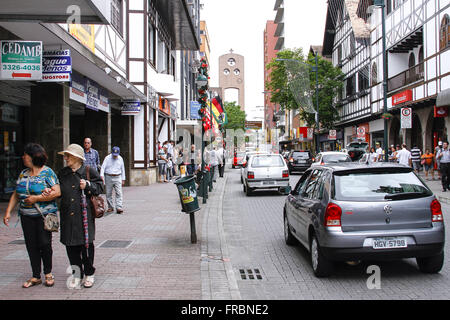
(218, 111)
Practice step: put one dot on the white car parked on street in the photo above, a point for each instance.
(265, 171)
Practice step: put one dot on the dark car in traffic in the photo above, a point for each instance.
(299, 161)
(354, 212)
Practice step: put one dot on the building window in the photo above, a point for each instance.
(151, 43)
(116, 15)
(351, 85)
(421, 69)
(444, 33)
(363, 79)
(374, 74)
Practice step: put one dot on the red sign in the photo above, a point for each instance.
(305, 133)
(402, 97)
(361, 132)
(440, 112)
(164, 105)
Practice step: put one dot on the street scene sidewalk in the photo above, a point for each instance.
(144, 253)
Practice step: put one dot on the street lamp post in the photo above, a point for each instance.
(316, 70)
(202, 82)
(381, 4)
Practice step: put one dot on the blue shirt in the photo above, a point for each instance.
(92, 159)
(34, 185)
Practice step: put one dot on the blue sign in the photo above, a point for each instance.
(56, 66)
(195, 107)
(130, 108)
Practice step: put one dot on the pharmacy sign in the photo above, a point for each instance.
(20, 60)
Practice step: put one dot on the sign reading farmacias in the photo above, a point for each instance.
(21, 60)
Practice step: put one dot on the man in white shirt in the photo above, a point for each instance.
(113, 175)
(404, 156)
(220, 153)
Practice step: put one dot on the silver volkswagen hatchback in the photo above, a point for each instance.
(352, 211)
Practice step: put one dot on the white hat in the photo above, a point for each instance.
(74, 149)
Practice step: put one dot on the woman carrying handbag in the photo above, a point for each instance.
(77, 216)
(34, 207)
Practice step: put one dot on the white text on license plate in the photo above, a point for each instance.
(389, 243)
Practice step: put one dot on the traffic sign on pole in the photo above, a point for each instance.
(406, 118)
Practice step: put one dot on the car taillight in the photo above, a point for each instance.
(285, 173)
(291, 160)
(251, 175)
(333, 215)
(436, 211)
(322, 163)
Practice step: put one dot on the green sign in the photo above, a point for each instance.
(21, 60)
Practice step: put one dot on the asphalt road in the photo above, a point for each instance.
(254, 234)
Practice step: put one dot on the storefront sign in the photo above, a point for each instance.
(164, 105)
(56, 66)
(92, 99)
(256, 125)
(440, 112)
(131, 107)
(195, 107)
(103, 104)
(21, 60)
(78, 88)
(402, 97)
(406, 118)
(332, 135)
(85, 34)
(305, 133)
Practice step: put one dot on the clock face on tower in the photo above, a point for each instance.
(237, 72)
(231, 62)
(226, 72)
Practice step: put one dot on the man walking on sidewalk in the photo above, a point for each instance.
(404, 156)
(444, 157)
(113, 175)
(91, 155)
(415, 158)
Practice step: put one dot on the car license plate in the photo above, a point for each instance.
(301, 161)
(268, 182)
(389, 243)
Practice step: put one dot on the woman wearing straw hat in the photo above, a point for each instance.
(77, 225)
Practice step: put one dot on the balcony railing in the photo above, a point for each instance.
(406, 77)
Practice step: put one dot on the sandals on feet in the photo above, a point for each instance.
(49, 280)
(89, 281)
(31, 282)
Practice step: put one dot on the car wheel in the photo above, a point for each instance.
(322, 267)
(431, 264)
(288, 237)
(247, 190)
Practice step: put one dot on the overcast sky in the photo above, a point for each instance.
(239, 25)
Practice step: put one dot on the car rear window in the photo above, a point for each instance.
(300, 155)
(357, 145)
(366, 187)
(335, 158)
(267, 161)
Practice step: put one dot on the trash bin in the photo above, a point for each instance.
(188, 194)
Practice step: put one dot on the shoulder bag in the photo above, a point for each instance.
(98, 203)
(51, 222)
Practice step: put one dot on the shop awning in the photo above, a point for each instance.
(83, 60)
(443, 98)
(91, 11)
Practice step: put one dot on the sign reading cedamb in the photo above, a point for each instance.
(21, 60)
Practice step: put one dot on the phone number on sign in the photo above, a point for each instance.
(19, 67)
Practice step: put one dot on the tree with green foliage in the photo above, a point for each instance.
(236, 117)
(293, 86)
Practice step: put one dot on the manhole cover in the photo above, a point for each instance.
(115, 244)
(18, 241)
(250, 274)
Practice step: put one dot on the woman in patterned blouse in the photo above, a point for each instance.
(28, 194)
